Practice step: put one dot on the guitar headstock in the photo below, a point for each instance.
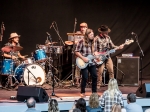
(128, 41)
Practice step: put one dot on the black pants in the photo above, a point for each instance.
(84, 72)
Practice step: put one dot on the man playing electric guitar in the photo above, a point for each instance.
(84, 48)
(103, 43)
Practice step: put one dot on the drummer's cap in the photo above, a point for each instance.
(13, 35)
(84, 25)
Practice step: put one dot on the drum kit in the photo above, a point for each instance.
(29, 71)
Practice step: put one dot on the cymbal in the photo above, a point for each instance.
(51, 43)
(11, 48)
(69, 42)
(72, 34)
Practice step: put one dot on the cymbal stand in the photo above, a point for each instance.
(73, 57)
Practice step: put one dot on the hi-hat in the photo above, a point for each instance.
(11, 48)
(50, 43)
(69, 42)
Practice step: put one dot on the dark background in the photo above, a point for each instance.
(32, 19)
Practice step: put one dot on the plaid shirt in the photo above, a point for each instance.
(107, 102)
(103, 43)
(85, 51)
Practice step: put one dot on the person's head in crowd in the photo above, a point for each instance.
(113, 87)
(116, 108)
(94, 100)
(131, 98)
(76, 110)
(31, 102)
(81, 104)
(53, 106)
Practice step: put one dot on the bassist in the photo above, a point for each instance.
(104, 43)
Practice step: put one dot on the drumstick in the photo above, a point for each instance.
(25, 55)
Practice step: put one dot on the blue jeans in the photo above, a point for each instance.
(84, 72)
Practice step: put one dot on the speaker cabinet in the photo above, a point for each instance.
(128, 71)
(143, 90)
(38, 93)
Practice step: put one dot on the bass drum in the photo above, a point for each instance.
(32, 74)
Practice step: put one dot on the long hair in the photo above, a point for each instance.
(81, 104)
(112, 88)
(86, 39)
(53, 106)
(116, 108)
(94, 100)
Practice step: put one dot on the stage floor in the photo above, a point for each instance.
(66, 98)
(65, 92)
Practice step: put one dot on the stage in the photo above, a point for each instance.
(66, 98)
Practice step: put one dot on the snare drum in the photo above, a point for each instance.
(28, 61)
(40, 55)
(8, 67)
(33, 73)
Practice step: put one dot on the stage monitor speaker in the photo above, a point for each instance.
(38, 93)
(128, 71)
(143, 90)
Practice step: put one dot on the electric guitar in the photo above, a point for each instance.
(104, 55)
(81, 64)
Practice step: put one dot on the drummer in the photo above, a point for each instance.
(13, 41)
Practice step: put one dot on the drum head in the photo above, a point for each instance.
(34, 75)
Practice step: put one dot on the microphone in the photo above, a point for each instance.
(3, 26)
(76, 20)
(132, 33)
(51, 24)
(47, 33)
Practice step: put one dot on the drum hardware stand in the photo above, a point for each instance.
(73, 57)
(141, 54)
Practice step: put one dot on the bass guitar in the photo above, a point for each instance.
(103, 56)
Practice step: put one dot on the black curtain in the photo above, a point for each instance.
(32, 19)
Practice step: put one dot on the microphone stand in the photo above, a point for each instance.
(60, 40)
(58, 35)
(1, 42)
(141, 56)
(73, 55)
(53, 51)
(120, 80)
(32, 75)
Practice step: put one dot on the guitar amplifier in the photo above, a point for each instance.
(128, 71)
